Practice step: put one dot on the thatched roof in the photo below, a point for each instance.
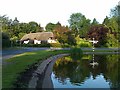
(38, 36)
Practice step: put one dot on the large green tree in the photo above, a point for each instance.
(50, 27)
(112, 23)
(33, 27)
(79, 24)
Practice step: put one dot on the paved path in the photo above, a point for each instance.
(5, 54)
(9, 53)
(45, 67)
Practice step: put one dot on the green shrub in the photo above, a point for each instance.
(55, 45)
(5, 40)
(76, 53)
(36, 45)
(5, 43)
(82, 42)
(65, 45)
(85, 44)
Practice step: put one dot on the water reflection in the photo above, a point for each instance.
(69, 73)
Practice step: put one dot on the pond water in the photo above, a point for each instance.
(70, 73)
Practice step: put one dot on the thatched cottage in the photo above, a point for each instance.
(38, 38)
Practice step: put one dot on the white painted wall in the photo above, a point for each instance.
(37, 42)
(26, 42)
(51, 41)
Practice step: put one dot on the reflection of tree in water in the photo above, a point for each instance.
(112, 70)
(70, 69)
(78, 71)
(100, 68)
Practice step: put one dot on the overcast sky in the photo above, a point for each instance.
(45, 11)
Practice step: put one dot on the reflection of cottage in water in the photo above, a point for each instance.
(38, 38)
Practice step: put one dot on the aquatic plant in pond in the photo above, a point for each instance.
(76, 53)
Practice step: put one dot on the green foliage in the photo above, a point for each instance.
(71, 38)
(76, 53)
(50, 27)
(95, 22)
(20, 35)
(66, 45)
(112, 23)
(36, 45)
(112, 41)
(59, 33)
(64, 35)
(79, 24)
(5, 40)
(82, 42)
(56, 45)
(33, 27)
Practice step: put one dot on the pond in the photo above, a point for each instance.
(70, 73)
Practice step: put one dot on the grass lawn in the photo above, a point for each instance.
(21, 62)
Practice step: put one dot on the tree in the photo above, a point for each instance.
(71, 38)
(112, 41)
(99, 32)
(106, 21)
(5, 22)
(5, 40)
(115, 11)
(113, 34)
(50, 27)
(64, 35)
(21, 35)
(15, 27)
(15, 21)
(33, 27)
(41, 29)
(24, 28)
(60, 34)
(94, 22)
(79, 24)
(113, 23)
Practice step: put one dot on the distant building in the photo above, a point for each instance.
(38, 38)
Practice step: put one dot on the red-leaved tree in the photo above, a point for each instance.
(99, 32)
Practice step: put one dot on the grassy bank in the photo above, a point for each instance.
(21, 62)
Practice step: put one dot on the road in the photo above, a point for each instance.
(9, 53)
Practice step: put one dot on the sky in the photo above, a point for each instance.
(45, 11)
